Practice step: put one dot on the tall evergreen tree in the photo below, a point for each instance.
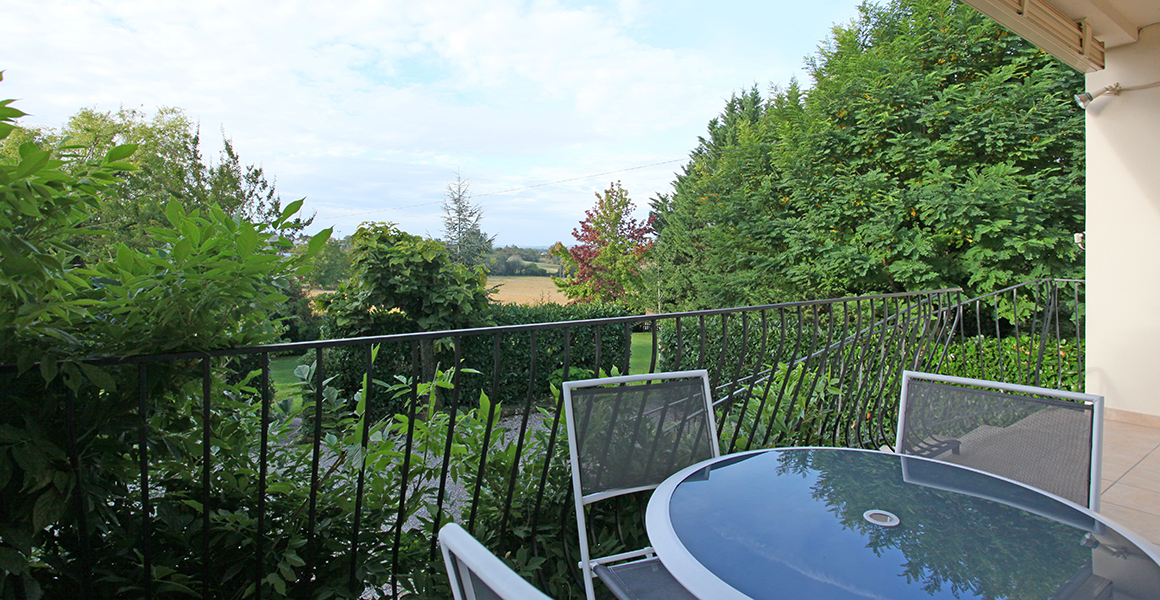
(936, 149)
(465, 240)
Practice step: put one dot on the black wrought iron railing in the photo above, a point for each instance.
(1031, 334)
(197, 474)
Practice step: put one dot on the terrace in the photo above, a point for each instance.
(223, 481)
(344, 485)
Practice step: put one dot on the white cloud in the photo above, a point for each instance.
(348, 103)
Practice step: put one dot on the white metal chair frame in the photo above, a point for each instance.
(1096, 402)
(462, 553)
(587, 564)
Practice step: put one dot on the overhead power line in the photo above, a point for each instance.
(528, 187)
(516, 189)
(556, 182)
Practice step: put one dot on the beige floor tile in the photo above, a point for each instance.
(1115, 466)
(1140, 499)
(1128, 449)
(1126, 435)
(1142, 523)
(1152, 461)
(1121, 426)
(1105, 484)
(1145, 475)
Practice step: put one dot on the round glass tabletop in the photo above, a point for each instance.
(808, 523)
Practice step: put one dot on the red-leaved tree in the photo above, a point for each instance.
(605, 266)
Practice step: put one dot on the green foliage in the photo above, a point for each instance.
(769, 417)
(167, 165)
(206, 280)
(401, 283)
(43, 205)
(540, 556)
(515, 377)
(67, 432)
(1026, 359)
(935, 150)
(211, 284)
(299, 321)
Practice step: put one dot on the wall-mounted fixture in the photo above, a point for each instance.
(1084, 99)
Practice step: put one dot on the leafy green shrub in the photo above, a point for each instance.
(70, 431)
(1027, 359)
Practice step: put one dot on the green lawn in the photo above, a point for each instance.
(641, 353)
(282, 375)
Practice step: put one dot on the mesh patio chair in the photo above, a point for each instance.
(627, 434)
(1048, 439)
(476, 573)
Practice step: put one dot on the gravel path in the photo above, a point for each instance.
(456, 495)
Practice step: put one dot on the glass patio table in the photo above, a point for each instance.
(836, 523)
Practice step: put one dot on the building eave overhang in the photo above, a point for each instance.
(1042, 24)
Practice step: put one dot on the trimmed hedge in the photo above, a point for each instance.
(513, 380)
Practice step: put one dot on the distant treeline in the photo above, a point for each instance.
(514, 260)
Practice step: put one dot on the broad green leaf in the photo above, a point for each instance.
(119, 152)
(34, 463)
(48, 508)
(318, 240)
(125, 258)
(12, 561)
(48, 369)
(31, 162)
(9, 113)
(120, 166)
(293, 558)
(174, 213)
(181, 251)
(99, 377)
(247, 240)
(291, 209)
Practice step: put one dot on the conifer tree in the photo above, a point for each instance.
(462, 235)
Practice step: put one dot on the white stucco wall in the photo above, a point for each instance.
(1123, 230)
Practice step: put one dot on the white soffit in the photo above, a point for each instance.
(1074, 31)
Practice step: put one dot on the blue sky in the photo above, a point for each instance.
(368, 109)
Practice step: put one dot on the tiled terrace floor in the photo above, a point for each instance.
(1131, 474)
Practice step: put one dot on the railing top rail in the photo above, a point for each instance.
(1020, 285)
(493, 330)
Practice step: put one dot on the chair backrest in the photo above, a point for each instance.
(1048, 439)
(476, 573)
(628, 434)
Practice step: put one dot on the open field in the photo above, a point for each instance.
(520, 290)
(526, 290)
